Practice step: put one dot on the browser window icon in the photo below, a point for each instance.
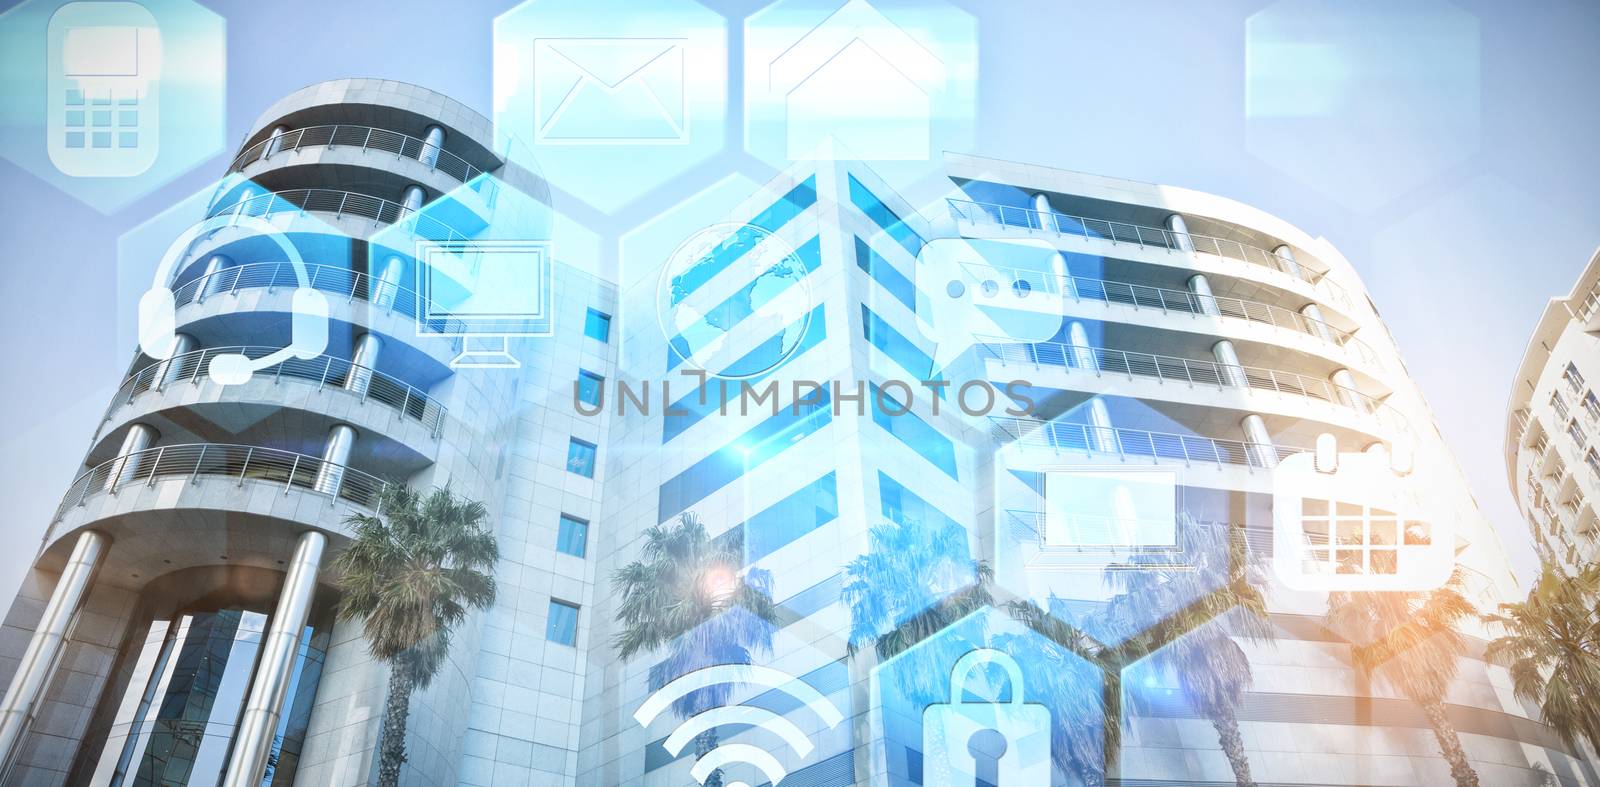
(610, 91)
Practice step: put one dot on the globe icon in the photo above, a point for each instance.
(734, 301)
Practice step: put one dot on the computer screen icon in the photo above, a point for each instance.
(1098, 517)
(485, 292)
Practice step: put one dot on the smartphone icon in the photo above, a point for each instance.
(103, 61)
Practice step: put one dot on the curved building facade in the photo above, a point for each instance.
(1552, 462)
(177, 626)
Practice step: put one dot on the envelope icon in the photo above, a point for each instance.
(609, 91)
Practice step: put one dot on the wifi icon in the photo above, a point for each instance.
(738, 753)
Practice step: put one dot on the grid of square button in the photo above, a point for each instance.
(102, 118)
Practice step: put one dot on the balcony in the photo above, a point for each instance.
(340, 205)
(391, 309)
(364, 138)
(1169, 301)
(238, 463)
(1162, 368)
(325, 372)
(1123, 444)
(1062, 224)
(185, 505)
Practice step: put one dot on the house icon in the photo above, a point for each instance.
(862, 80)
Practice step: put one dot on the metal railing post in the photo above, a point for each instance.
(245, 468)
(154, 466)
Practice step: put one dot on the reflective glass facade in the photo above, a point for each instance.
(180, 685)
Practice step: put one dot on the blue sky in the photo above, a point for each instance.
(1448, 154)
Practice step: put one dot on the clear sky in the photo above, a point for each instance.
(1446, 148)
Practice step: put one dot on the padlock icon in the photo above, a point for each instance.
(947, 731)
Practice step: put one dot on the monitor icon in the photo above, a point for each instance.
(1097, 517)
(485, 292)
(103, 63)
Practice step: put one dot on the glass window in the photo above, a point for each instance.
(562, 628)
(589, 385)
(1573, 377)
(1559, 404)
(597, 325)
(580, 458)
(573, 539)
(1575, 432)
(1591, 404)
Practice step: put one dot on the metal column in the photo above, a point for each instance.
(259, 723)
(362, 361)
(38, 661)
(1180, 232)
(335, 453)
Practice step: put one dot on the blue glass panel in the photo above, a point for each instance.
(787, 520)
(904, 506)
(674, 422)
(589, 385)
(895, 345)
(774, 217)
(917, 434)
(580, 458)
(744, 302)
(884, 217)
(597, 326)
(562, 627)
(886, 275)
(573, 536)
(764, 441)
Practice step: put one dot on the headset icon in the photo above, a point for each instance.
(308, 327)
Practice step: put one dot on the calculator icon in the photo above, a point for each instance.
(1354, 522)
(103, 61)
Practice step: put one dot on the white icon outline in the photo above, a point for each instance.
(770, 246)
(1375, 491)
(308, 337)
(432, 255)
(852, 36)
(946, 761)
(960, 282)
(730, 753)
(669, 60)
(99, 87)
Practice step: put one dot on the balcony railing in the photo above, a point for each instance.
(363, 137)
(326, 371)
(1067, 437)
(1155, 237)
(239, 463)
(1140, 296)
(1099, 360)
(339, 203)
(335, 280)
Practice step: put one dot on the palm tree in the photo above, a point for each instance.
(1081, 731)
(686, 594)
(1201, 610)
(1410, 640)
(411, 574)
(913, 582)
(1552, 648)
(899, 592)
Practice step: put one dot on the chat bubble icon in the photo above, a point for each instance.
(1009, 291)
